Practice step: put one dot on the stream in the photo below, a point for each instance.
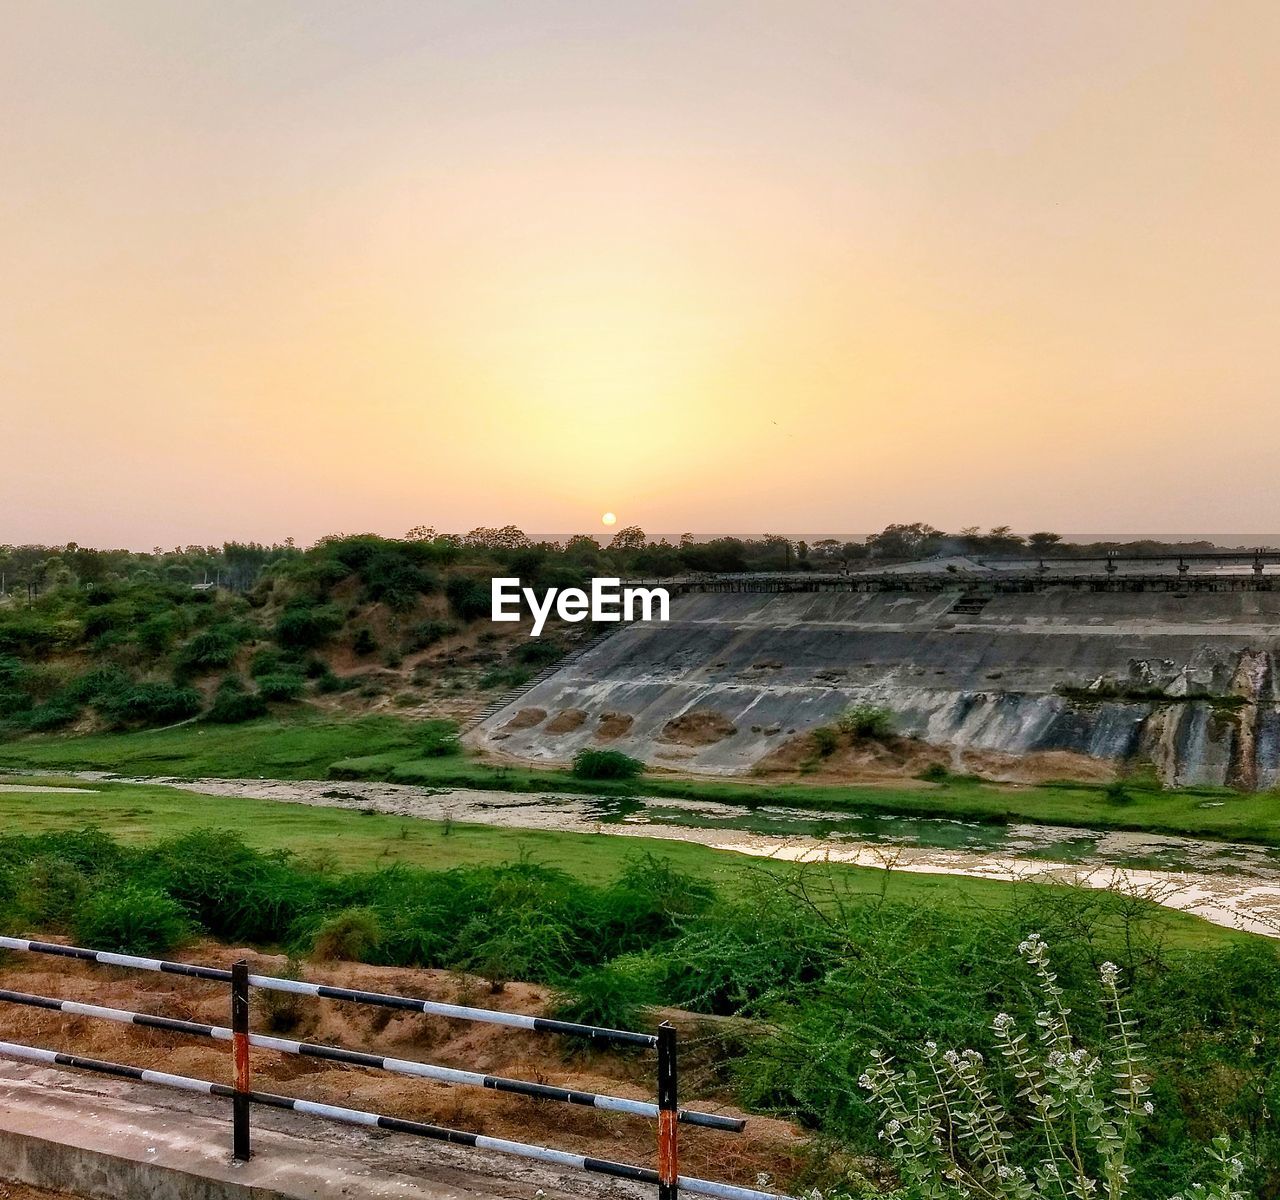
(1232, 884)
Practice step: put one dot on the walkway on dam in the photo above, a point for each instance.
(106, 1139)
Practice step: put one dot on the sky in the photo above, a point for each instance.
(283, 269)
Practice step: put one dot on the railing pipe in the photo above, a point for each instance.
(398, 1066)
(431, 1008)
(352, 1116)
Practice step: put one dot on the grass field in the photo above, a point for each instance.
(355, 839)
(379, 747)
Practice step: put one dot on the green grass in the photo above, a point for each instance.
(352, 839)
(297, 748)
(384, 747)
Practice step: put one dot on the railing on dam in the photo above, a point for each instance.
(665, 1110)
(991, 583)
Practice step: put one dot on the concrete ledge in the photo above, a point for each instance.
(113, 1143)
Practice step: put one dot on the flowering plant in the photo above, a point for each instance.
(951, 1138)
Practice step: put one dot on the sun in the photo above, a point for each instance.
(608, 519)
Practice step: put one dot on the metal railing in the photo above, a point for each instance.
(666, 1111)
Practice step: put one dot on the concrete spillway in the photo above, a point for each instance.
(1187, 683)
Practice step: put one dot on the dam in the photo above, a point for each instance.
(1173, 673)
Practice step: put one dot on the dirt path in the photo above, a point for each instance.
(1233, 885)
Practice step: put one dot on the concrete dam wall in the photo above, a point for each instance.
(1187, 683)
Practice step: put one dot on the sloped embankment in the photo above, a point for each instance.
(1188, 684)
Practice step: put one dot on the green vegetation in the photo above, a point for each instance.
(131, 919)
(866, 721)
(605, 764)
(1077, 1114)
(822, 969)
(390, 748)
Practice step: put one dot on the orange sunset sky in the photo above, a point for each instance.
(277, 268)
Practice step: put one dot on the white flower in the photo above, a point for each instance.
(1110, 973)
(1148, 1107)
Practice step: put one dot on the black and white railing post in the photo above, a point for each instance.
(240, 1102)
(668, 1115)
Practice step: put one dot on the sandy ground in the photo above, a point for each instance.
(1237, 886)
(767, 1146)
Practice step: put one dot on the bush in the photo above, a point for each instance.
(233, 704)
(605, 764)
(866, 721)
(329, 682)
(825, 740)
(364, 643)
(131, 919)
(208, 651)
(348, 936)
(505, 677)
(539, 652)
(267, 661)
(304, 626)
(934, 773)
(468, 598)
(618, 995)
(427, 633)
(151, 704)
(53, 714)
(281, 687)
(949, 1135)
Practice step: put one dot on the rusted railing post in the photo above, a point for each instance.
(240, 1141)
(668, 1115)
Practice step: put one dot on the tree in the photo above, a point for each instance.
(629, 537)
(509, 537)
(421, 533)
(1042, 542)
(906, 541)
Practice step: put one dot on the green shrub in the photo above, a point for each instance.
(396, 581)
(53, 714)
(617, 995)
(281, 687)
(304, 626)
(14, 703)
(539, 652)
(427, 633)
(934, 773)
(35, 635)
(151, 704)
(605, 764)
(825, 740)
(48, 890)
(364, 643)
(866, 721)
(157, 634)
(347, 936)
(208, 651)
(98, 684)
(233, 704)
(267, 661)
(329, 682)
(131, 919)
(468, 598)
(505, 677)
